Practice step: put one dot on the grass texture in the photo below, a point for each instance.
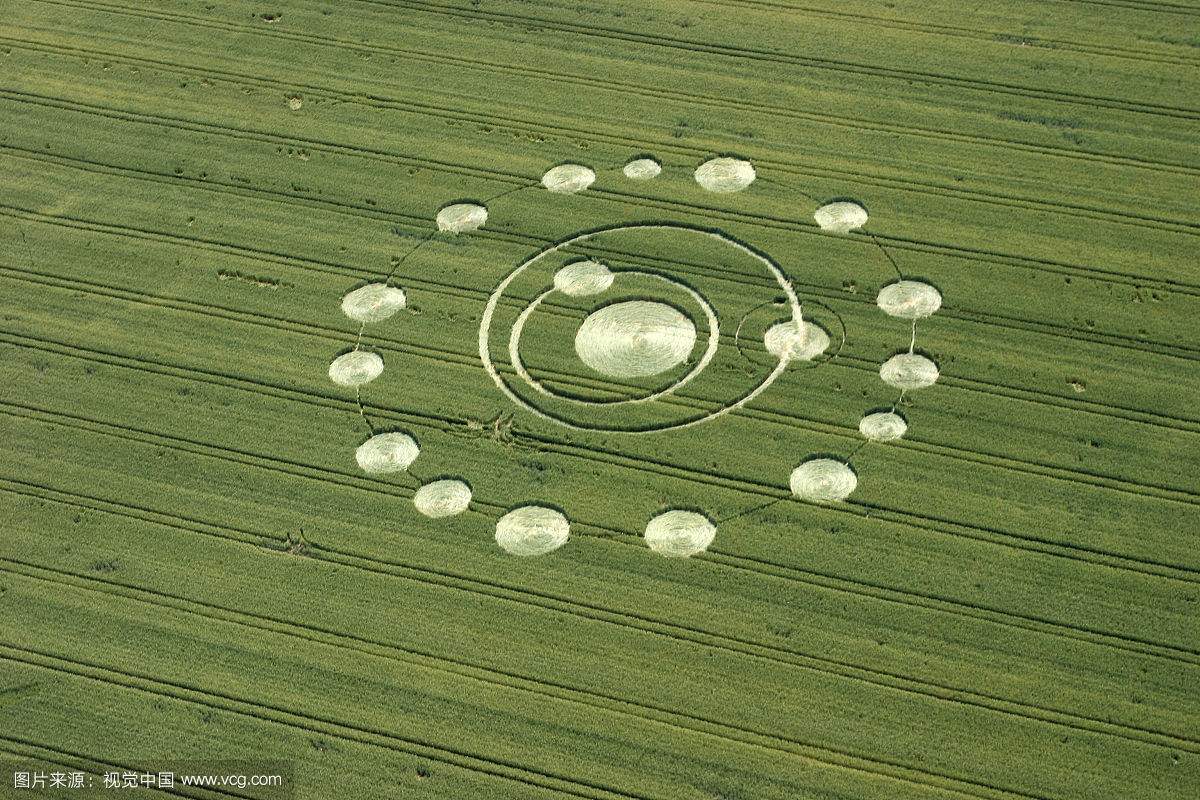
(192, 565)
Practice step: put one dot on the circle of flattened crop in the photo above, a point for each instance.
(635, 339)
(583, 278)
(374, 302)
(679, 534)
(461, 217)
(355, 368)
(909, 299)
(840, 217)
(909, 371)
(642, 169)
(714, 339)
(532, 531)
(568, 178)
(884, 426)
(385, 453)
(789, 341)
(823, 480)
(724, 175)
(514, 337)
(443, 498)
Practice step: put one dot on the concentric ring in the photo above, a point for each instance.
(494, 301)
(714, 341)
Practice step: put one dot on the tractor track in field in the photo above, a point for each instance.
(367, 213)
(838, 583)
(845, 670)
(886, 23)
(312, 723)
(591, 134)
(1015, 392)
(676, 632)
(951, 528)
(332, 268)
(757, 55)
(372, 736)
(1167, 8)
(856, 588)
(364, 212)
(513, 180)
(966, 661)
(86, 763)
(692, 402)
(958, 31)
(681, 721)
(764, 567)
(889, 594)
(715, 101)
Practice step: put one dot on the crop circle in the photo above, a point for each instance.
(532, 531)
(909, 299)
(842, 216)
(909, 371)
(461, 217)
(374, 302)
(386, 453)
(621, 350)
(442, 498)
(583, 278)
(725, 175)
(796, 340)
(642, 169)
(884, 426)
(355, 368)
(823, 480)
(680, 534)
(635, 339)
(568, 178)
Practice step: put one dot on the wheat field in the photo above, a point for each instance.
(487, 399)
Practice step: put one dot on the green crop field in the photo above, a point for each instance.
(368, 369)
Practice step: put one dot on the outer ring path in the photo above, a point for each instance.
(489, 312)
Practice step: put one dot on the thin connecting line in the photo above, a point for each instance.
(615, 167)
(403, 258)
(789, 187)
(751, 510)
(362, 411)
(913, 344)
(886, 255)
(507, 192)
(737, 334)
(857, 448)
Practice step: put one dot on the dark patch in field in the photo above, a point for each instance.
(263, 281)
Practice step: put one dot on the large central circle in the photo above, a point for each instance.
(631, 338)
(635, 339)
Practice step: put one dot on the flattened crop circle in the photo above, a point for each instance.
(532, 531)
(635, 339)
(494, 300)
(680, 534)
(714, 341)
